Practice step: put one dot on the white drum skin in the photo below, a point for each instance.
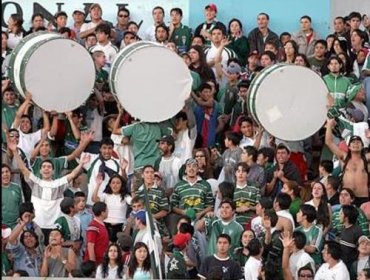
(58, 72)
(150, 81)
(289, 101)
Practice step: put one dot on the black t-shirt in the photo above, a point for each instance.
(214, 267)
(208, 26)
(334, 200)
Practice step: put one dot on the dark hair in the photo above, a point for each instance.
(219, 27)
(295, 47)
(354, 15)
(21, 273)
(164, 27)
(293, 185)
(306, 17)
(33, 233)
(351, 213)
(47, 161)
(254, 247)
(200, 37)
(350, 192)
(26, 207)
(204, 86)
(334, 249)
(203, 69)
(264, 14)
(186, 228)
(284, 200)
(64, 30)
(236, 20)
(306, 267)
(106, 141)
(322, 42)
(227, 190)
(272, 43)
(79, 194)
(104, 28)
(309, 211)
(266, 202)
(118, 260)
(224, 235)
(282, 146)
(270, 54)
(271, 214)
(305, 59)
(244, 84)
(322, 215)
(177, 10)
(284, 34)
(267, 152)
(327, 165)
(37, 15)
(334, 57)
(233, 137)
(230, 202)
(300, 239)
(132, 23)
(66, 204)
(361, 34)
(123, 191)
(18, 19)
(341, 18)
(181, 115)
(123, 9)
(245, 167)
(334, 182)
(148, 166)
(4, 165)
(251, 151)
(158, 8)
(133, 264)
(245, 118)
(98, 208)
(137, 199)
(88, 268)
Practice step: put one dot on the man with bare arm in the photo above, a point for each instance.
(354, 164)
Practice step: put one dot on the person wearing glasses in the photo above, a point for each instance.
(123, 17)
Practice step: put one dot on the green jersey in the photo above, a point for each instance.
(181, 36)
(215, 227)
(11, 199)
(8, 113)
(177, 266)
(246, 196)
(314, 236)
(197, 196)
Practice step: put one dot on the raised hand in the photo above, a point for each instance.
(286, 239)
(99, 179)
(85, 159)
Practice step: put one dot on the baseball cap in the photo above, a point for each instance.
(363, 238)
(181, 239)
(141, 216)
(356, 114)
(191, 161)
(168, 139)
(95, 5)
(5, 231)
(124, 240)
(355, 137)
(61, 13)
(211, 6)
(234, 68)
(79, 10)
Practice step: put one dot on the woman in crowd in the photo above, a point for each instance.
(199, 64)
(139, 266)
(15, 30)
(238, 42)
(112, 266)
(290, 51)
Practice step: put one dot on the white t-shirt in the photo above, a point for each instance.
(251, 269)
(337, 272)
(112, 272)
(117, 208)
(169, 168)
(149, 34)
(184, 144)
(28, 141)
(46, 198)
(300, 259)
(87, 26)
(14, 40)
(110, 52)
(124, 151)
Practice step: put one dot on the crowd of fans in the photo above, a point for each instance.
(229, 200)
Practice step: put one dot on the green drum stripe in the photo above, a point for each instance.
(257, 81)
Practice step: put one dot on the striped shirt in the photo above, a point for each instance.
(157, 198)
(197, 196)
(46, 198)
(246, 196)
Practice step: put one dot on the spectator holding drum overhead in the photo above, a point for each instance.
(261, 34)
(15, 30)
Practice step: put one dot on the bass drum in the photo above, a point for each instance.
(59, 72)
(288, 101)
(150, 81)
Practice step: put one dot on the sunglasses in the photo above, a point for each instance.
(125, 16)
(14, 135)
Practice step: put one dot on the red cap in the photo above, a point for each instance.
(181, 239)
(211, 6)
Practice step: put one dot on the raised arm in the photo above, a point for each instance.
(117, 122)
(99, 181)
(86, 138)
(287, 241)
(54, 124)
(22, 110)
(36, 150)
(76, 132)
(46, 122)
(22, 167)
(330, 124)
(76, 171)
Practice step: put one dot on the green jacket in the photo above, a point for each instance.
(338, 87)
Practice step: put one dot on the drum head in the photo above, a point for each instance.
(150, 81)
(290, 102)
(60, 74)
